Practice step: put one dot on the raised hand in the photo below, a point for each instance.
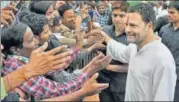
(96, 64)
(99, 33)
(79, 39)
(94, 39)
(42, 62)
(96, 46)
(7, 15)
(91, 87)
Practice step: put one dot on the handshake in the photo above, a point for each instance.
(95, 39)
(97, 36)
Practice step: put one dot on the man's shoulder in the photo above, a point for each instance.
(166, 27)
(163, 54)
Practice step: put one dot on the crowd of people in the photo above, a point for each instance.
(133, 47)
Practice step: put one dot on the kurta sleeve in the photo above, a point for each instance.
(164, 81)
(118, 51)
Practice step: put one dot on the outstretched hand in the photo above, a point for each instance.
(42, 62)
(91, 86)
(7, 15)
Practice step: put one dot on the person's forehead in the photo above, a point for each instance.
(102, 6)
(69, 12)
(50, 9)
(85, 6)
(118, 11)
(173, 9)
(134, 16)
(28, 34)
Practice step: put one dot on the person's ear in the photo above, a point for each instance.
(14, 50)
(150, 25)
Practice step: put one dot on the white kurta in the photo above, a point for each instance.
(151, 74)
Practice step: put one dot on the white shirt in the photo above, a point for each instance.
(151, 74)
(158, 10)
(162, 13)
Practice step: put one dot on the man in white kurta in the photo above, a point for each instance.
(151, 72)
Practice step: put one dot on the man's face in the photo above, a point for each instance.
(29, 43)
(173, 15)
(84, 9)
(101, 9)
(44, 36)
(50, 15)
(119, 18)
(136, 28)
(68, 18)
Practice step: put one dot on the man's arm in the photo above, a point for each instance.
(40, 87)
(78, 21)
(118, 68)
(118, 51)
(90, 87)
(115, 50)
(67, 41)
(35, 67)
(75, 96)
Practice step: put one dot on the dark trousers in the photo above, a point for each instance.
(107, 96)
(177, 91)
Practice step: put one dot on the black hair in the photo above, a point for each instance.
(84, 3)
(12, 36)
(160, 22)
(40, 7)
(145, 10)
(152, 4)
(174, 4)
(165, 6)
(123, 6)
(64, 8)
(35, 21)
(56, 20)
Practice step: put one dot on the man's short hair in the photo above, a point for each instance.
(39, 7)
(64, 8)
(123, 6)
(35, 21)
(165, 6)
(12, 36)
(145, 10)
(100, 3)
(174, 4)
